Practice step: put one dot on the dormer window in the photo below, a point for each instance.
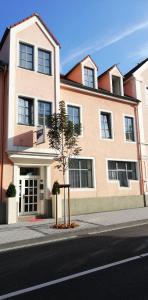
(89, 77)
(116, 85)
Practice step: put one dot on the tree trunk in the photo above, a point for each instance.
(65, 215)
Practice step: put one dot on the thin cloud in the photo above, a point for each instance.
(141, 53)
(99, 45)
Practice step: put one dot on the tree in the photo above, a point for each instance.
(63, 138)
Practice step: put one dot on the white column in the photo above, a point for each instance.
(16, 173)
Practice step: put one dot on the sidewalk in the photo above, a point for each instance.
(41, 231)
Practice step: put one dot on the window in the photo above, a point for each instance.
(44, 111)
(80, 173)
(122, 171)
(106, 126)
(116, 85)
(89, 77)
(25, 111)
(129, 129)
(29, 171)
(44, 62)
(74, 116)
(26, 56)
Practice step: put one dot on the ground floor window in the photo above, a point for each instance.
(122, 171)
(80, 173)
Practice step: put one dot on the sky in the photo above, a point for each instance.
(111, 31)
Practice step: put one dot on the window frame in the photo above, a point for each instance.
(134, 128)
(33, 55)
(112, 125)
(81, 189)
(117, 181)
(50, 54)
(33, 105)
(81, 115)
(119, 78)
(93, 70)
(45, 102)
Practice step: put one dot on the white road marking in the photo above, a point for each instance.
(66, 278)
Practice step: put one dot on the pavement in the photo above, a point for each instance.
(25, 234)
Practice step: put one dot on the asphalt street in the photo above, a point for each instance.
(26, 268)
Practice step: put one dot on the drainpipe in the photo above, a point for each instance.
(3, 69)
(142, 192)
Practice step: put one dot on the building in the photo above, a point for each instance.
(136, 85)
(108, 173)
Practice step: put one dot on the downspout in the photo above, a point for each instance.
(2, 131)
(139, 154)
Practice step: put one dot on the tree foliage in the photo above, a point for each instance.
(63, 138)
(11, 191)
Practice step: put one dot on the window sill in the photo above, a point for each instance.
(130, 142)
(44, 73)
(83, 189)
(107, 139)
(29, 125)
(32, 70)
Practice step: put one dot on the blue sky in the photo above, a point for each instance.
(111, 31)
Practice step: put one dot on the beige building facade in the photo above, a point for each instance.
(108, 173)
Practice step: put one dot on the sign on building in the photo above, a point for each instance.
(40, 135)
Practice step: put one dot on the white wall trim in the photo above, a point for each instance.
(134, 125)
(93, 174)
(117, 181)
(112, 125)
(83, 64)
(80, 106)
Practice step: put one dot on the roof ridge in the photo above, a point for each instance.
(134, 69)
(79, 62)
(23, 20)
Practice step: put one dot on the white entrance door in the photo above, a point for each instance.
(28, 195)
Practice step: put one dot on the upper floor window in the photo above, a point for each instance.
(80, 173)
(26, 56)
(44, 111)
(129, 129)
(122, 171)
(74, 116)
(25, 111)
(89, 77)
(116, 85)
(106, 125)
(44, 61)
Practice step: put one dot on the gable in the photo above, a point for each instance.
(34, 35)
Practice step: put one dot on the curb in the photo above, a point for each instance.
(77, 234)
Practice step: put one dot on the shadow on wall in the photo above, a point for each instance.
(26, 139)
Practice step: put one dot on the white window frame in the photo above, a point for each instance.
(35, 103)
(84, 64)
(49, 51)
(111, 83)
(17, 109)
(43, 100)
(81, 114)
(93, 175)
(134, 125)
(112, 124)
(111, 181)
(35, 47)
